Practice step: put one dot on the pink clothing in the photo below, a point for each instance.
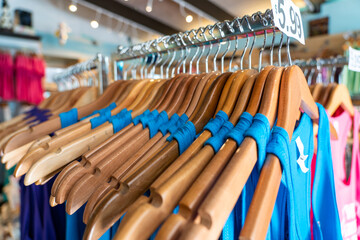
(347, 192)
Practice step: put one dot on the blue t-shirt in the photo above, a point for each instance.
(291, 215)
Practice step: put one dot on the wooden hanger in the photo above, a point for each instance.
(45, 104)
(190, 202)
(48, 144)
(104, 215)
(294, 95)
(164, 199)
(55, 160)
(339, 97)
(210, 215)
(121, 138)
(149, 149)
(317, 91)
(79, 195)
(54, 124)
(326, 93)
(73, 173)
(145, 153)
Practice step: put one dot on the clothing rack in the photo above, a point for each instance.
(248, 26)
(99, 62)
(323, 62)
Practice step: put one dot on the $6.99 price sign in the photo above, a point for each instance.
(287, 18)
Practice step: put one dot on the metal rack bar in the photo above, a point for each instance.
(99, 62)
(249, 26)
(319, 62)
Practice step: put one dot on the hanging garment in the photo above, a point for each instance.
(290, 218)
(345, 182)
(325, 216)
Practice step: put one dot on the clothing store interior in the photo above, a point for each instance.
(179, 119)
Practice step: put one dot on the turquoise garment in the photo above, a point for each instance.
(326, 223)
(75, 227)
(291, 215)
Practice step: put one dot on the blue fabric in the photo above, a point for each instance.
(228, 232)
(146, 118)
(97, 121)
(37, 219)
(101, 111)
(181, 121)
(260, 132)
(218, 139)
(172, 129)
(155, 123)
(326, 223)
(237, 133)
(216, 123)
(136, 120)
(185, 136)
(106, 116)
(75, 227)
(164, 128)
(121, 120)
(68, 118)
(291, 215)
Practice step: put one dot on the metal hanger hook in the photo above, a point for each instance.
(251, 49)
(262, 50)
(280, 46)
(288, 50)
(272, 48)
(224, 54)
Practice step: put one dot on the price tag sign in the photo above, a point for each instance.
(287, 18)
(354, 60)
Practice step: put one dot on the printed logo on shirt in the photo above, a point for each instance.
(348, 223)
(302, 158)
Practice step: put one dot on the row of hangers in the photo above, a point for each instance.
(116, 169)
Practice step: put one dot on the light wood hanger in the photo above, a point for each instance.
(54, 124)
(294, 95)
(325, 95)
(60, 138)
(48, 145)
(104, 215)
(175, 224)
(79, 195)
(72, 173)
(134, 162)
(107, 149)
(141, 157)
(317, 91)
(65, 154)
(211, 216)
(339, 97)
(164, 199)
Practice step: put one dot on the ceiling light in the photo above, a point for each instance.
(72, 7)
(189, 18)
(149, 4)
(94, 24)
